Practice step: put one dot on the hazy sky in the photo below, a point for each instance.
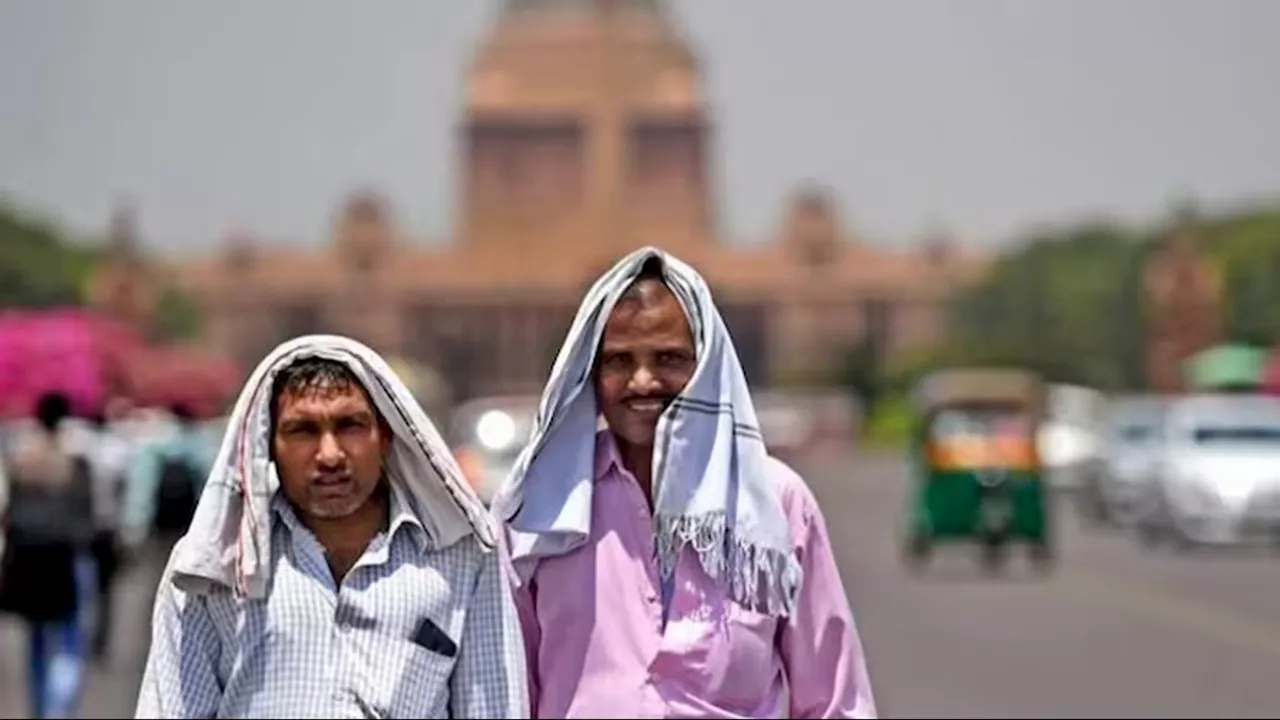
(981, 115)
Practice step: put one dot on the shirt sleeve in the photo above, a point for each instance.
(489, 676)
(820, 645)
(180, 679)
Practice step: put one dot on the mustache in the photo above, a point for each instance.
(664, 399)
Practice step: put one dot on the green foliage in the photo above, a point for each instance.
(1246, 249)
(1059, 306)
(177, 316)
(1069, 303)
(861, 374)
(40, 266)
(889, 425)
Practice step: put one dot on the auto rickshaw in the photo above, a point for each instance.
(977, 472)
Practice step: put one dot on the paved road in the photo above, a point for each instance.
(1115, 632)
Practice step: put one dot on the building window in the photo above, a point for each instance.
(362, 262)
(297, 319)
(747, 323)
(534, 162)
(817, 252)
(877, 321)
(666, 156)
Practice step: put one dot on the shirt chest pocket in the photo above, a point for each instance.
(730, 649)
(749, 642)
(406, 680)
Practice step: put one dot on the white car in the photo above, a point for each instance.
(1068, 437)
(1132, 446)
(1218, 476)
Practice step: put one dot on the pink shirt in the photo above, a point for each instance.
(597, 647)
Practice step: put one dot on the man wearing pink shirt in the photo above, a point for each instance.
(665, 565)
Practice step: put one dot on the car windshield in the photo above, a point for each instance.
(1237, 435)
(957, 423)
(1136, 433)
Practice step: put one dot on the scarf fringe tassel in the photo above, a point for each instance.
(722, 554)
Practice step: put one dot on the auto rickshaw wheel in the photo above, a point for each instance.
(995, 553)
(1150, 535)
(1183, 544)
(918, 550)
(1041, 554)
(1091, 508)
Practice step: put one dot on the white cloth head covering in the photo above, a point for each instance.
(714, 493)
(228, 542)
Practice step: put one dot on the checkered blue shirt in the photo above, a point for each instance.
(316, 649)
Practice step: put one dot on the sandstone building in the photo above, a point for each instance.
(584, 134)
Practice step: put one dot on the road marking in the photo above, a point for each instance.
(1175, 609)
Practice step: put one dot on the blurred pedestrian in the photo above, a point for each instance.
(165, 477)
(166, 474)
(47, 578)
(108, 452)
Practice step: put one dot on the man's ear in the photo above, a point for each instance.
(384, 436)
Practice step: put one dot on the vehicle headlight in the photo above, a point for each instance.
(1196, 490)
(495, 430)
(1127, 469)
(1233, 491)
(1210, 493)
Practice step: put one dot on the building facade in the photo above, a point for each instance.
(584, 135)
(1184, 307)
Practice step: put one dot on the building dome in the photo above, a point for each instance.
(548, 6)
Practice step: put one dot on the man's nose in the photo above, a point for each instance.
(330, 453)
(644, 381)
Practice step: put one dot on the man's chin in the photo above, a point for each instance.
(333, 509)
(636, 437)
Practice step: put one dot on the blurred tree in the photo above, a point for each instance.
(862, 374)
(1246, 249)
(177, 317)
(1070, 303)
(43, 266)
(1056, 305)
(40, 266)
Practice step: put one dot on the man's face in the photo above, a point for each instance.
(646, 358)
(329, 447)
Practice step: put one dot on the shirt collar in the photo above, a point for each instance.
(608, 458)
(401, 514)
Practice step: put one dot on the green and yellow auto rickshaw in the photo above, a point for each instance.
(977, 473)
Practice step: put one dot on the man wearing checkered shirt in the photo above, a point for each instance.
(369, 584)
